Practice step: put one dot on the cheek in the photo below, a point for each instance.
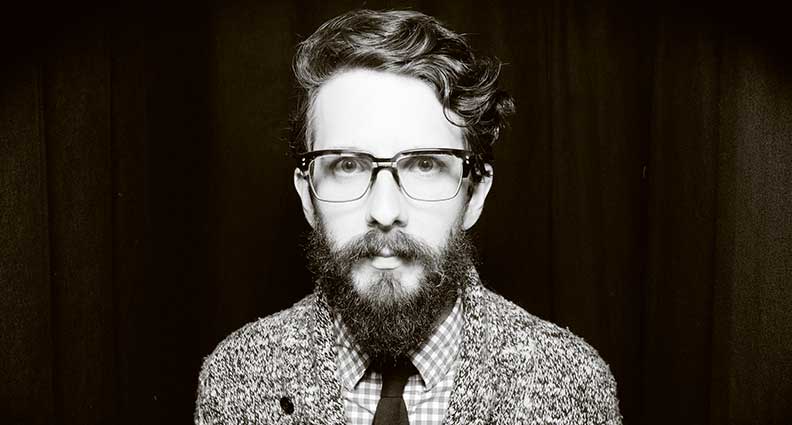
(434, 224)
(342, 222)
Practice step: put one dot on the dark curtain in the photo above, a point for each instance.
(642, 197)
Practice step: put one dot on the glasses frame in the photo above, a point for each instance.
(472, 166)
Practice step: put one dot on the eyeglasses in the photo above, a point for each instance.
(340, 175)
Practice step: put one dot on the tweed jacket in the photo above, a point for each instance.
(513, 369)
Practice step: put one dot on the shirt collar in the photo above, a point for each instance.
(432, 360)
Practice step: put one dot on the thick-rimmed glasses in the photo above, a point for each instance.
(341, 175)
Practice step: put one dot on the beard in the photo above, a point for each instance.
(384, 319)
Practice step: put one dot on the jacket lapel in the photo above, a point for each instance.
(473, 392)
(315, 390)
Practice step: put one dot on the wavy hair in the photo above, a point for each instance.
(406, 43)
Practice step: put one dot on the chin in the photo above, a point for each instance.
(386, 286)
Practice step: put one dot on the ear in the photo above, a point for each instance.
(476, 202)
(303, 188)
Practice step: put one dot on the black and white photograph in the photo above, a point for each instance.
(378, 212)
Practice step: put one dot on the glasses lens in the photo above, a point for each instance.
(340, 177)
(430, 177)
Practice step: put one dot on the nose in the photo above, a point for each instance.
(385, 201)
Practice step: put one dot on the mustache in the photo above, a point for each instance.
(373, 242)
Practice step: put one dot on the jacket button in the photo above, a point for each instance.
(287, 405)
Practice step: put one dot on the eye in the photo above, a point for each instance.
(425, 164)
(348, 166)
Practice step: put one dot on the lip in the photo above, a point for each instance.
(386, 262)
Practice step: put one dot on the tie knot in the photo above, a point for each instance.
(395, 375)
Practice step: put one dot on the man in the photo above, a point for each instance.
(394, 141)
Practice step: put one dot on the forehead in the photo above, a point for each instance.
(382, 113)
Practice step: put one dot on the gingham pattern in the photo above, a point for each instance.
(426, 395)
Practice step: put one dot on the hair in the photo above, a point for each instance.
(411, 44)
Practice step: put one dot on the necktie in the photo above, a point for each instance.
(391, 409)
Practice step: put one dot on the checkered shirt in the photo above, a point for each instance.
(426, 395)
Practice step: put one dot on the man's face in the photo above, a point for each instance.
(383, 114)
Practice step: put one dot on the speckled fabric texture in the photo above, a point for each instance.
(514, 369)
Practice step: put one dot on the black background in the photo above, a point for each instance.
(642, 197)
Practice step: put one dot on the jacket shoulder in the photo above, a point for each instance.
(553, 371)
(523, 332)
(266, 332)
(243, 370)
